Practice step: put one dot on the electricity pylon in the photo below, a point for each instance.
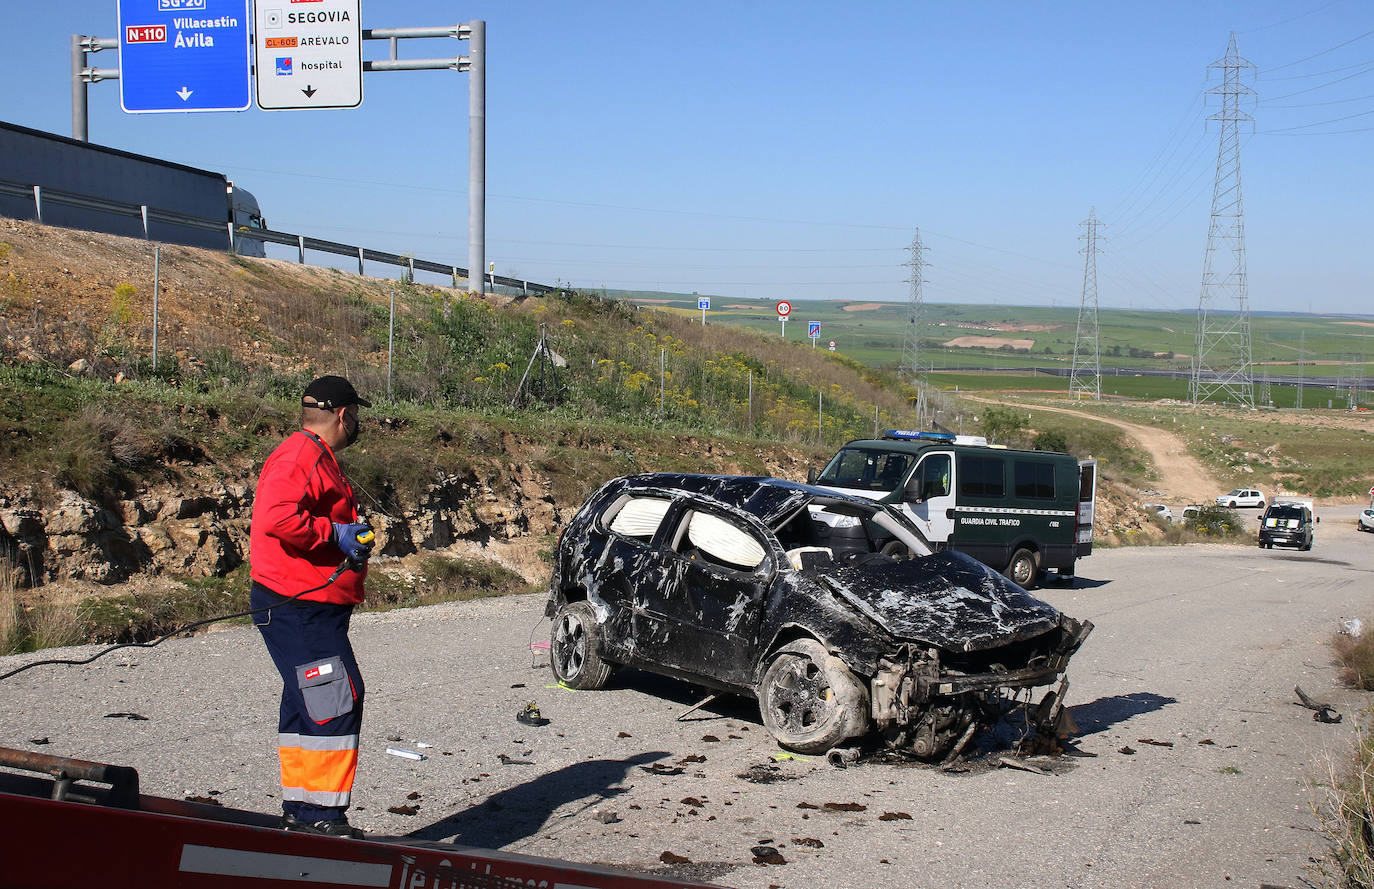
(1086, 376)
(1222, 358)
(911, 342)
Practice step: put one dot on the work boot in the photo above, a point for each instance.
(333, 827)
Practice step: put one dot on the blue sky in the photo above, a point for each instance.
(789, 150)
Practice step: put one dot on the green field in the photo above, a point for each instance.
(1126, 386)
(872, 333)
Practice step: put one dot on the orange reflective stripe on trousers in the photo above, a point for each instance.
(318, 769)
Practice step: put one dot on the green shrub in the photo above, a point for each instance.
(1216, 521)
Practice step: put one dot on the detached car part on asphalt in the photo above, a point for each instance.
(833, 611)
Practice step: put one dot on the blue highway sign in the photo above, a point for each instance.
(184, 55)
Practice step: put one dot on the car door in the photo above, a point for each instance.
(714, 596)
(932, 511)
(629, 571)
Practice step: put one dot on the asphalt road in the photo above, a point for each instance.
(1196, 647)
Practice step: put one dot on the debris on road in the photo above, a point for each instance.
(405, 754)
(1011, 762)
(767, 855)
(1324, 712)
(841, 757)
(530, 715)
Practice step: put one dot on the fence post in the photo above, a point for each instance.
(300, 245)
(390, 342)
(143, 211)
(38, 203)
(157, 260)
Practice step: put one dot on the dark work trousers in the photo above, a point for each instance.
(321, 702)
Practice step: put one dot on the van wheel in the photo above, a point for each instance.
(809, 700)
(1022, 568)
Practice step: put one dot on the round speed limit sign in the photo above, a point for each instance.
(784, 308)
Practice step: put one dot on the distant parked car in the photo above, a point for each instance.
(1159, 511)
(1242, 497)
(1366, 521)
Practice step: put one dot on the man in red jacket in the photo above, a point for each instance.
(309, 551)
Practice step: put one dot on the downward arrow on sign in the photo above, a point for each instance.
(184, 93)
(309, 91)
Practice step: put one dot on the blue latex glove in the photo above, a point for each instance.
(355, 539)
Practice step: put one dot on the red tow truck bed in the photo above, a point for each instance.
(60, 834)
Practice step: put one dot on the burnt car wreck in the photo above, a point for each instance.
(833, 611)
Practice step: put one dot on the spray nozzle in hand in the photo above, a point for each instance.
(355, 539)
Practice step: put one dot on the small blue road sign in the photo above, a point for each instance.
(184, 55)
(813, 329)
(703, 302)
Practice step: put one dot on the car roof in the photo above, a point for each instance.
(768, 499)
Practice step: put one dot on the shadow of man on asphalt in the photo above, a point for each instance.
(1103, 713)
(521, 811)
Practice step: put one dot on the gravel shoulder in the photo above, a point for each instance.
(1193, 645)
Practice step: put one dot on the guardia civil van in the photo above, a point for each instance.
(1019, 512)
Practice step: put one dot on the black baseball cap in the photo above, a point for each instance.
(330, 393)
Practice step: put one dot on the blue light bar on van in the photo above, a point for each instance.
(918, 435)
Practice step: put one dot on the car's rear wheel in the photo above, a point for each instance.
(809, 700)
(1022, 568)
(575, 648)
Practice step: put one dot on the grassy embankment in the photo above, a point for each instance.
(457, 366)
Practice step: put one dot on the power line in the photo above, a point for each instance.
(1318, 54)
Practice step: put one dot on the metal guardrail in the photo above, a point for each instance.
(237, 234)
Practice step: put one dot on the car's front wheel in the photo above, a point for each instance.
(809, 700)
(575, 648)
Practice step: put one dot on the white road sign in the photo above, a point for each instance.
(309, 53)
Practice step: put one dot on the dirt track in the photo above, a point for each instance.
(1181, 476)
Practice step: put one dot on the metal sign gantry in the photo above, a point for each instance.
(474, 64)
